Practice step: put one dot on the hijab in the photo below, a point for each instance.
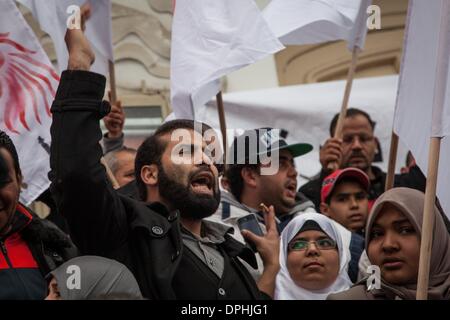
(99, 278)
(411, 203)
(285, 287)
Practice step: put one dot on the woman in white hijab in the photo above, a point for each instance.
(314, 259)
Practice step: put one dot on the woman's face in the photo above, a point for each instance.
(313, 260)
(9, 193)
(53, 291)
(394, 246)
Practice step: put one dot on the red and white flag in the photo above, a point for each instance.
(52, 17)
(298, 22)
(210, 39)
(28, 84)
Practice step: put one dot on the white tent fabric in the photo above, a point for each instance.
(306, 112)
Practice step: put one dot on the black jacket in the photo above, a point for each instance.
(144, 237)
(31, 249)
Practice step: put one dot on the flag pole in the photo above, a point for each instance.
(428, 219)
(391, 164)
(333, 166)
(112, 81)
(223, 127)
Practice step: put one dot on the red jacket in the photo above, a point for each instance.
(28, 252)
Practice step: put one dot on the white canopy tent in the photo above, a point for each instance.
(306, 112)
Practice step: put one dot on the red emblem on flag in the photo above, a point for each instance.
(24, 82)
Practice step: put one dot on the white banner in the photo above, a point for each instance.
(306, 112)
(52, 17)
(423, 105)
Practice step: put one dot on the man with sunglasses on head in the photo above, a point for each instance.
(358, 148)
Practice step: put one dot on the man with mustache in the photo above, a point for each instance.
(261, 169)
(253, 179)
(358, 148)
(163, 239)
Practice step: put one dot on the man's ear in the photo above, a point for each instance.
(149, 174)
(325, 209)
(249, 176)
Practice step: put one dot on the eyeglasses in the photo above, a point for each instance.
(321, 244)
(362, 138)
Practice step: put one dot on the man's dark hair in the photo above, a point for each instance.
(351, 112)
(7, 144)
(343, 180)
(235, 180)
(152, 149)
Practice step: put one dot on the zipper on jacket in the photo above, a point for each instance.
(5, 253)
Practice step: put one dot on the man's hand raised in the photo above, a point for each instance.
(269, 250)
(115, 120)
(81, 55)
(331, 152)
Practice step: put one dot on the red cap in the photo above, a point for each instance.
(330, 181)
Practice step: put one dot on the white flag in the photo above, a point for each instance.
(52, 17)
(298, 22)
(27, 88)
(211, 38)
(423, 103)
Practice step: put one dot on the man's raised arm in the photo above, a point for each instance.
(80, 186)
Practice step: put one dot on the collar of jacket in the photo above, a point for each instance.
(302, 204)
(378, 174)
(21, 219)
(157, 224)
(48, 244)
(235, 248)
(221, 234)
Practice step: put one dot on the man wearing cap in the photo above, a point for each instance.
(344, 198)
(261, 169)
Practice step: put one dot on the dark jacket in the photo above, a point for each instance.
(144, 237)
(414, 179)
(31, 249)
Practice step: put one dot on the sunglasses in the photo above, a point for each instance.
(321, 244)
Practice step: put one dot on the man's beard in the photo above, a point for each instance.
(191, 205)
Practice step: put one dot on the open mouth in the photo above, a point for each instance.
(291, 189)
(203, 183)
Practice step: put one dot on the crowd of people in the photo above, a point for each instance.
(172, 230)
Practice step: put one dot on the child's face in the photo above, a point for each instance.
(349, 205)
